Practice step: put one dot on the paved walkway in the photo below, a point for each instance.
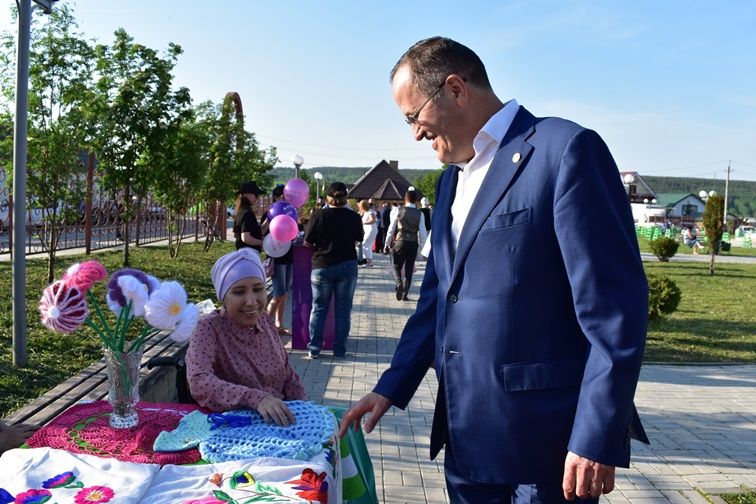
(701, 419)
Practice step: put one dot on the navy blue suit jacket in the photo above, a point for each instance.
(536, 325)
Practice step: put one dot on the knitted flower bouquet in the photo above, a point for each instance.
(69, 303)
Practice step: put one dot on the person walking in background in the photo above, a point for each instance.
(333, 233)
(385, 222)
(370, 230)
(425, 208)
(530, 407)
(283, 273)
(246, 228)
(405, 236)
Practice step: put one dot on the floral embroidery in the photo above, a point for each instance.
(33, 496)
(5, 496)
(216, 479)
(63, 480)
(314, 487)
(206, 500)
(242, 479)
(94, 495)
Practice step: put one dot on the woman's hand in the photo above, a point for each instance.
(275, 411)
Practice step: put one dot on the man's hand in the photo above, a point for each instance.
(275, 411)
(585, 478)
(13, 436)
(372, 403)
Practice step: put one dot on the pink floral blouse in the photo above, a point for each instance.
(232, 367)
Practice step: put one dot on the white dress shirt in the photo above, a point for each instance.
(485, 144)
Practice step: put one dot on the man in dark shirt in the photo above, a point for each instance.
(246, 228)
(333, 233)
(384, 225)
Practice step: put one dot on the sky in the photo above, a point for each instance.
(670, 86)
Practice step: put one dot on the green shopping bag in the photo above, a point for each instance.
(356, 468)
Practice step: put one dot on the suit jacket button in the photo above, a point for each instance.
(452, 298)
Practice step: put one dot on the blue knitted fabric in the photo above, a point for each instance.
(304, 439)
(191, 431)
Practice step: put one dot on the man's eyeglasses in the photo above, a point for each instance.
(411, 119)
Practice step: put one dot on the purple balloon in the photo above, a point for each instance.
(283, 228)
(296, 192)
(282, 208)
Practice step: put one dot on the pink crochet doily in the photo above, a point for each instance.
(83, 428)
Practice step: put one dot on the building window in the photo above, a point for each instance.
(689, 209)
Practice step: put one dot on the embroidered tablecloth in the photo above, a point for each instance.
(50, 475)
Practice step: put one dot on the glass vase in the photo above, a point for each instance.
(123, 386)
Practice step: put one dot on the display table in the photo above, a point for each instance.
(79, 456)
(301, 303)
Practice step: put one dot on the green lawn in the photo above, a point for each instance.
(685, 250)
(747, 497)
(715, 322)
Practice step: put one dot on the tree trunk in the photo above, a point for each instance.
(711, 262)
(52, 237)
(180, 228)
(127, 226)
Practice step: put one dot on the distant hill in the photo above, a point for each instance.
(346, 175)
(741, 195)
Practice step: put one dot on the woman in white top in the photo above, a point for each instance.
(370, 227)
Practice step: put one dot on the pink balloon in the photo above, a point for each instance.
(296, 192)
(283, 228)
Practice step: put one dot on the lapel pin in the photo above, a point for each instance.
(516, 157)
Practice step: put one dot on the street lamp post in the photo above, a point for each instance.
(318, 177)
(297, 161)
(18, 255)
(705, 195)
(629, 182)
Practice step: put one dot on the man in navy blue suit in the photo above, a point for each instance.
(534, 325)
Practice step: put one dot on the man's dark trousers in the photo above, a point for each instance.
(405, 253)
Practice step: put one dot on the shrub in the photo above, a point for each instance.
(663, 296)
(663, 248)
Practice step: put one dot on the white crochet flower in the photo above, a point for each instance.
(186, 325)
(166, 306)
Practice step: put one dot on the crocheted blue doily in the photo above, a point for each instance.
(242, 434)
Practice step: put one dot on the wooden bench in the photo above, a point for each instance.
(156, 385)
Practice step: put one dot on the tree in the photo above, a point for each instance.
(427, 184)
(134, 108)
(713, 218)
(180, 168)
(235, 157)
(60, 72)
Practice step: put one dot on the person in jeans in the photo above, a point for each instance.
(405, 235)
(333, 233)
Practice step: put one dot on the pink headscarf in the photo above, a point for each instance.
(232, 267)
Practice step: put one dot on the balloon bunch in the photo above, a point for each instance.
(283, 218)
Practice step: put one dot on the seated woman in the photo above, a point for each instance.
(690, 238)
(235, 359)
